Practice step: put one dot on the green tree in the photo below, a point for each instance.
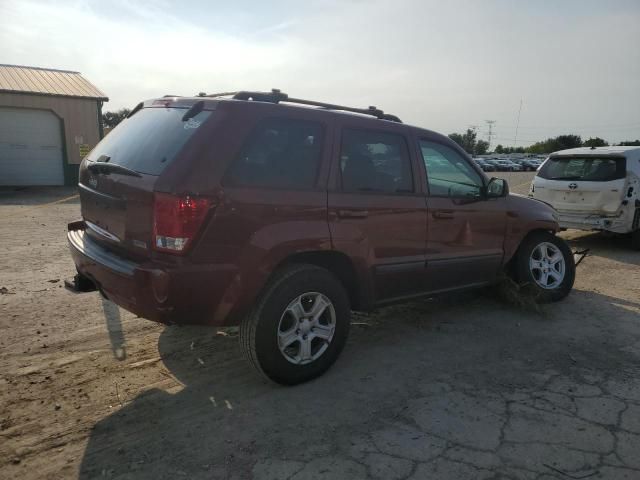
(507, 150)
(482, 147)
(630, 143)
(595, 142)
(569, 141)
(466, 140)
(111, 119)
(561, 142)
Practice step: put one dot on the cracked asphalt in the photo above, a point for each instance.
(467, 386)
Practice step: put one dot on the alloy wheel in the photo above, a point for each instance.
(306, 328)
(547, 265)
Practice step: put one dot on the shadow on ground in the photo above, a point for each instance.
(451, 384)
(114, 328)
(35, 196)
(614, 247)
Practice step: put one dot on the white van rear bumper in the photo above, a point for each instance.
(585, 221)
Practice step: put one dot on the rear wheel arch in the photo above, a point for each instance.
(261, 331)
(342, 267)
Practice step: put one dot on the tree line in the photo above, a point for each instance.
(111, 119)
(469, 142)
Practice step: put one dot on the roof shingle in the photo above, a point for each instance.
(46, 81)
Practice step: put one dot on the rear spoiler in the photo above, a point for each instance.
(194, 105)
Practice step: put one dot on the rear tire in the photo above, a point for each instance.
(282, 338)
(635, 240)
(545, 262)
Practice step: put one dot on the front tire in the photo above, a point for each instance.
(299, 325)
(546, 262)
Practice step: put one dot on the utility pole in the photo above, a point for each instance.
(490, 124)
(515, 139)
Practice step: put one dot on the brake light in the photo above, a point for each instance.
(177, 220)
(165, 102)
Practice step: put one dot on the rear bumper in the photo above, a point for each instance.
(585, 221)
(185, 294)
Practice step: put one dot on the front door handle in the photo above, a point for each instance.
(353, 213)
(443, 214)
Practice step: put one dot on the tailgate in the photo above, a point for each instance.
(582, 183)
(118, 210)
(578, 196)
(118, 177)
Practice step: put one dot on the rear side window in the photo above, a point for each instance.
(587, 169)
(149, 140)
(372, 161)
(280, 153)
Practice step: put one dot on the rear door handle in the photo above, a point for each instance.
(353, 213)
(443, 214)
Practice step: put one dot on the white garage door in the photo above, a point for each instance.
(30, 147)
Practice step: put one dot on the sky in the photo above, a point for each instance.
(574, 64)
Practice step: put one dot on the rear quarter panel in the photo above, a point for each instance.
(253, 230)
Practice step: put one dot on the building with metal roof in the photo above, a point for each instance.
(49, 120)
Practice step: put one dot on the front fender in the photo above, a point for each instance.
(525, 215)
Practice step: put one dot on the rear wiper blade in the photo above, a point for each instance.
(107, 168)
(565, 178)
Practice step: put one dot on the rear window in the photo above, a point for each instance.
(149, 140)
(588, 169)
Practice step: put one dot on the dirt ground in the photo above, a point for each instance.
(459, 387)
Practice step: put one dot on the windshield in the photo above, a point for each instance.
(149, 140)
(588, 169)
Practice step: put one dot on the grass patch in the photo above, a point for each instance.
(524, 297)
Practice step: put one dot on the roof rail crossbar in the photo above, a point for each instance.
(376, 112)
(223, 94)
(276, 96)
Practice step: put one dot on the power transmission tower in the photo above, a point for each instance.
(490, 124)
(515, 139)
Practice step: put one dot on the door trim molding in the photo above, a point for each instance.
(403, 267)
(463, 259)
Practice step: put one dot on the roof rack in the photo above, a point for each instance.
(276, 96)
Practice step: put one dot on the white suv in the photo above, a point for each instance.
(593, 188)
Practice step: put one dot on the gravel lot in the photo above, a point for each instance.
(459, 387)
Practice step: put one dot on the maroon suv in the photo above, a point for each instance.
(282, 215)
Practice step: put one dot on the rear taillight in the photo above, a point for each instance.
(177, 220)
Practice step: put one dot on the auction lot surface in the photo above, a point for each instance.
(460, 387)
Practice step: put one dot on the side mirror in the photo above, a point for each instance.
(497, 187)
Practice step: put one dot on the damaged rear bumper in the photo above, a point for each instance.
(624, 223)
(162, 292)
